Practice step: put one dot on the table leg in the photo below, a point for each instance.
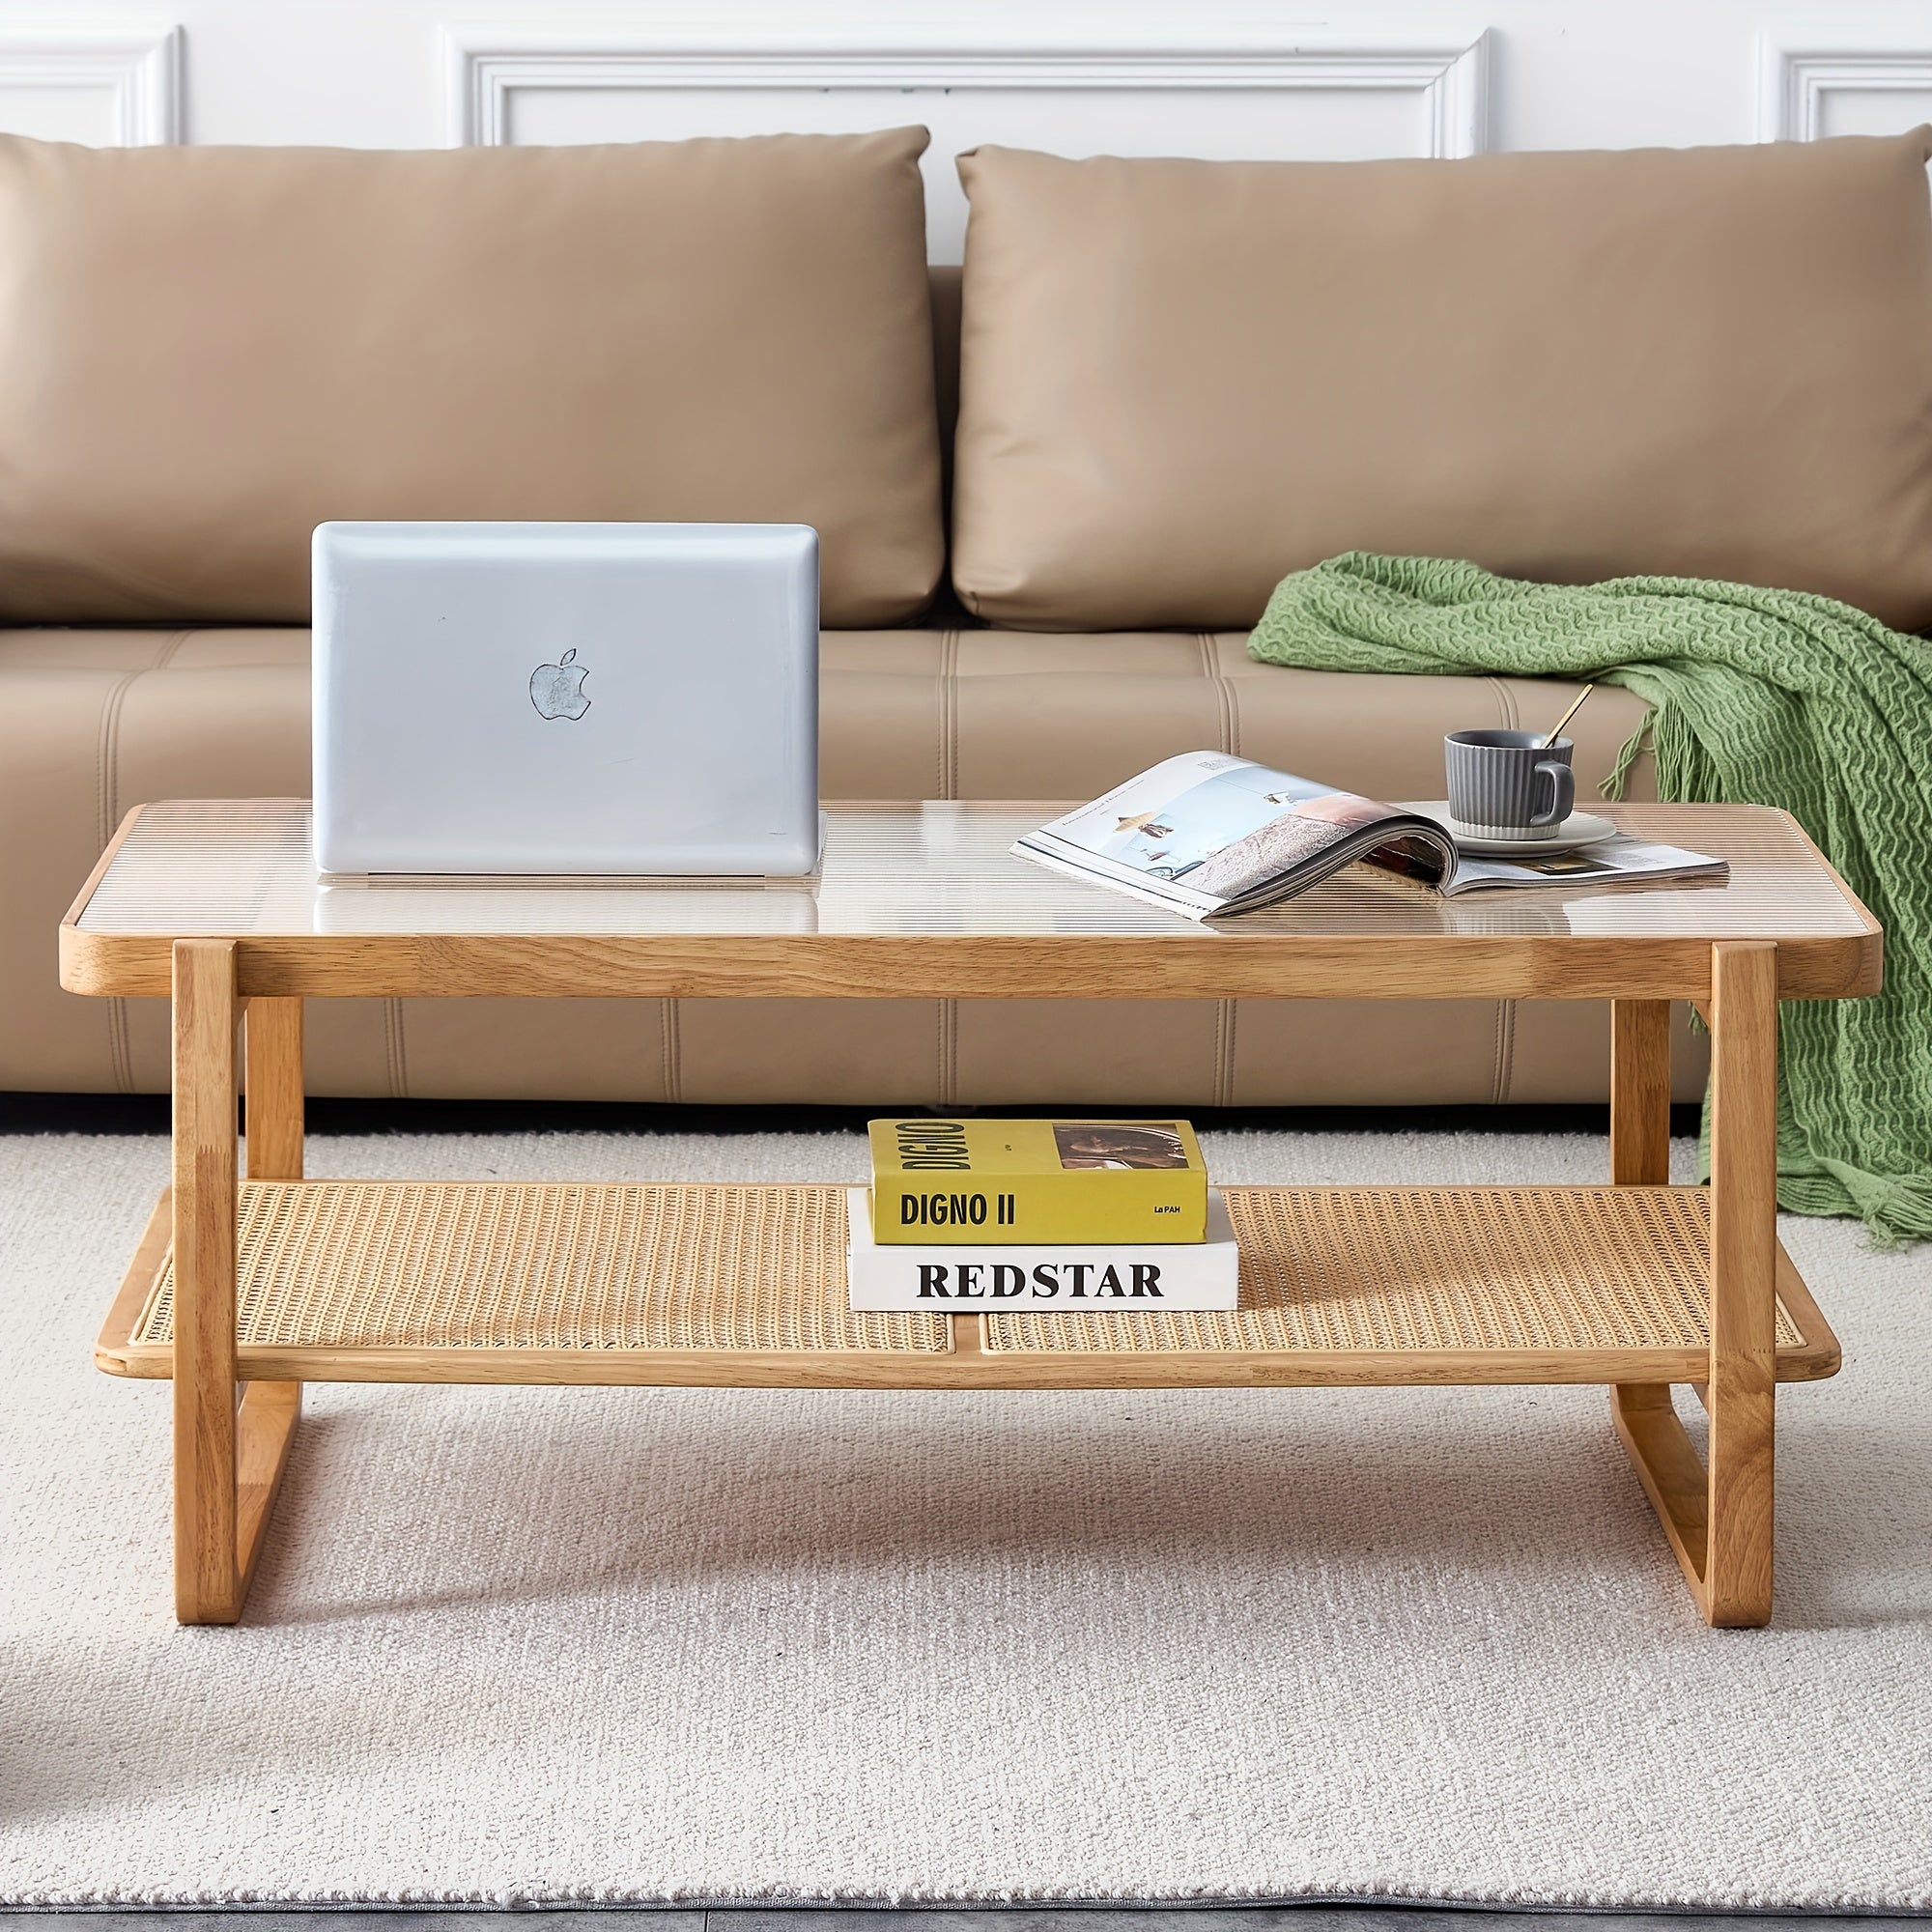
(1640, 1158)
(1743, 1387)
(1718, 1514)
(271, 1412)
(205, 1016)
(1641, 1093)
(273, 1036)
(228, 1459)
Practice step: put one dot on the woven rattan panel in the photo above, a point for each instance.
(369, 1264)
(1429, 1268)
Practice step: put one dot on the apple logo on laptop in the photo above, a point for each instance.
(557, 690)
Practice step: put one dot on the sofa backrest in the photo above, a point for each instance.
(1182, 379)
(205, 352)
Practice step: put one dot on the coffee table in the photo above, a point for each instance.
(247, 1285)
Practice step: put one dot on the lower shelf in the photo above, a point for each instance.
(723, 1286)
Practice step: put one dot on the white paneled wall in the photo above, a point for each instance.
(1853, 75)
(1209, 78)
(1268, 96)
(91, 80)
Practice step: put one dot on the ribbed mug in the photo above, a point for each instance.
(1508, 785)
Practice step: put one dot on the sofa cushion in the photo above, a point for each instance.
(206, 351)
(1183, 379)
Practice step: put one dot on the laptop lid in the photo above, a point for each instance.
(566, 697)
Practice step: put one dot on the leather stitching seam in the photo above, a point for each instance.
(1227, 1012)
(108, 804)
(949, 714)
(949, 1053)
(1505, 1051)
(106, 758)
(397, 1049)
(671, 1045)
(1224, 694)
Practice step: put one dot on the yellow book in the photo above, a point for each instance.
(960, 1182)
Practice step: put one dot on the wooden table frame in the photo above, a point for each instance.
(232, 1440)
(1719, 1517)
(230, 1454)
(236, 1007)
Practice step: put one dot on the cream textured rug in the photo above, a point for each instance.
(585, 1645)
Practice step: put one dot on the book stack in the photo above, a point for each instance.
(1075, 1217)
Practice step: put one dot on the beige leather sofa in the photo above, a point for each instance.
(144, 539)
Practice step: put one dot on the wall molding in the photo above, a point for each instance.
(140, 69)
(485, 67)
(1800, 66)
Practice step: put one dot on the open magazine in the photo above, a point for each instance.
(1207, 833)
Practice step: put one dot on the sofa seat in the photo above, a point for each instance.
(92, 722)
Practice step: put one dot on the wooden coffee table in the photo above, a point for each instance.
(245, 1288)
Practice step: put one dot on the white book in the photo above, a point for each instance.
(1086, 1279)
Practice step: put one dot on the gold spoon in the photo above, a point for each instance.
(1557, 731)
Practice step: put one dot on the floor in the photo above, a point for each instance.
(473, 1531)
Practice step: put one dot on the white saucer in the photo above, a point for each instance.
(1581, 828)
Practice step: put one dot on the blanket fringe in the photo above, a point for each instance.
(1895, 1208)
(1613, 787)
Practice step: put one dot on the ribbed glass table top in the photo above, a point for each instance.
(241, 867)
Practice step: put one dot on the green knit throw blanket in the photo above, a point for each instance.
(1757, 697)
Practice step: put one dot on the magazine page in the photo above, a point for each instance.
(1606, 862)
(1209, 833)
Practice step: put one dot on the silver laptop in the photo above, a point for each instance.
(566, 697)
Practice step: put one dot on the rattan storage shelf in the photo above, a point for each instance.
(262, 1284)
(706, 1284)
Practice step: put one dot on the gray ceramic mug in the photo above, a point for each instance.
(1509, 785)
